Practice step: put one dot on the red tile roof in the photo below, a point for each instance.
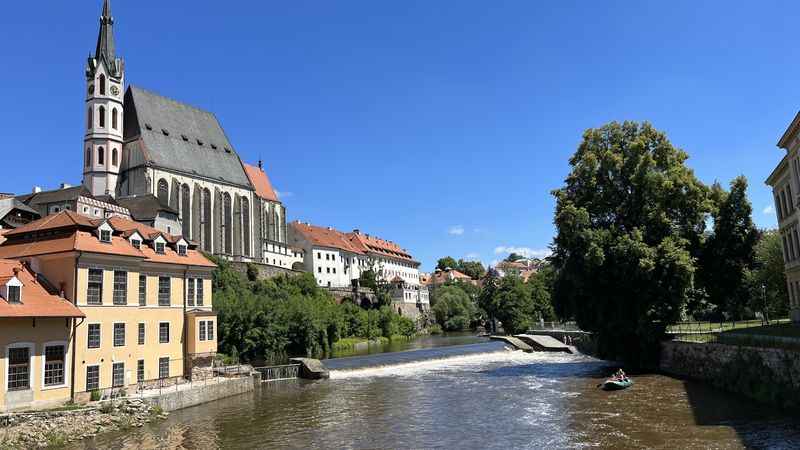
(326, 237)
(260, 182)
(79, 236)
(36, 301)
(378, 245)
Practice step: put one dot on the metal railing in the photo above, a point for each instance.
(277, 373)
(555, 326)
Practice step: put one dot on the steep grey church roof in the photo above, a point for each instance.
(144, 207)
(163, 133)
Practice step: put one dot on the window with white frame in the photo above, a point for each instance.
(19, 368)
(94, 292)
(136, 243)
(92, 378)
(120, 296)
(14, 294)
(199, 291)
(93, 335)
(119, 335)
(105, 236)
(181, 250)
(54, 364)
(141, 334)
(190, 291)
(163, 332)
(163, 291)
(118, 374)
(202, 332)
(163, 367)
(210, 330)
(142, 290)
(159, 248)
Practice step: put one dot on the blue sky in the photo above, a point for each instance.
(440, 125)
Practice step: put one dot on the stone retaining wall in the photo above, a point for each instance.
(197, 395)
(265, 271)
(764, 374)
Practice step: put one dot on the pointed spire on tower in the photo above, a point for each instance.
(105, 40)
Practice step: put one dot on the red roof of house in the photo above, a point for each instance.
(260, 182)
(78, 235)
(378, 245)
(326, 237)
(35, 300)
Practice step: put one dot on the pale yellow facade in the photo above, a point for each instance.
(71, 273)
(35, 335)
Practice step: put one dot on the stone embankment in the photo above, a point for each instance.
(768, 375)
(55, 428)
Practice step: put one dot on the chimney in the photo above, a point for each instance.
(37, 189)
(65, 185)
(357, 231)
(16, 271)
(260, 164)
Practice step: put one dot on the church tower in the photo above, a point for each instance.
(102, 143)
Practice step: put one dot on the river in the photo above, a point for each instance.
(476, 394)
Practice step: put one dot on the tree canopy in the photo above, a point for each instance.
(474, 269)
(629, 220)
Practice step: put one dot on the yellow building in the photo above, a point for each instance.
(36, 330)
(146, 297)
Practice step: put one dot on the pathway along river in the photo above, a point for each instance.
(466, 396)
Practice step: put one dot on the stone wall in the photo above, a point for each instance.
(197, 395)
(265, 271)
(764, 374)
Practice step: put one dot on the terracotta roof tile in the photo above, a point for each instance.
(260, 182)
(326, 237)
(36, 301)
(64, 219)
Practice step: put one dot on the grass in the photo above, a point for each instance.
(783, 335)
(788, 330)
(351, 342)
(717, 326)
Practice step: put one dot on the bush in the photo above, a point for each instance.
(435, 329)
(95, 395)
(454, 309)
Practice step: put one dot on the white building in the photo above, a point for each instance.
(785, 182)
(337, 259)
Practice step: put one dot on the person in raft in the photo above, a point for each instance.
(620, 375)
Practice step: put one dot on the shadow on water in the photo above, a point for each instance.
(572, 369)
(758, 425)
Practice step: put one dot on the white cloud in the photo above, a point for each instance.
(769, 209)
(456, 230)
(471, 256)
(524, 251)
(281, 194)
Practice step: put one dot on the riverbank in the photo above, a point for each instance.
(59, 427)
(768, 375)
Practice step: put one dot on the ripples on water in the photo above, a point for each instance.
(475, 396)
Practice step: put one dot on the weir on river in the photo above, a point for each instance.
(478, 395)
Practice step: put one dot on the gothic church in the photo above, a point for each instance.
(142, 149)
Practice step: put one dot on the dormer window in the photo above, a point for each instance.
(12, 291)
(137, 244)
(160, 248)
(105, 236)
(14, 294)
(181, 250)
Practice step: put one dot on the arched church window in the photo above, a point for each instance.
(114, 157)
(102, 84)
(186, 214)
(101, 157)
(102, 119)
(246, 226)
(88, 157)
(205, 219)
(89, 118)
(114, 118)
(163, 191)
(227, 210)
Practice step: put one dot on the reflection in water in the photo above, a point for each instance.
(482, 396)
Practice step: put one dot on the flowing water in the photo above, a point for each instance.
(479, 395)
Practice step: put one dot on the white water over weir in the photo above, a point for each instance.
(277, 373)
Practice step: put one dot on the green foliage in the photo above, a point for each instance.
(629, 221)
(514, 257)
(767, 281)
(474, 269)
(271, 320)
(94, 395)
(729, 253)
(454, 309)
(435, 329)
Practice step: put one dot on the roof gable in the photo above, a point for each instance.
(172, 135)
(261, 184)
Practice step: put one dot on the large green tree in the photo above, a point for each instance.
(448, 262)
(729, 252)
(767, 281)
(629, 219)
(454, 309)
(474, 269)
